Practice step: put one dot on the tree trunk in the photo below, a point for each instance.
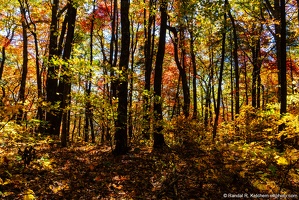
(66, 79)
(254, 76)
(25, 62)
(37, 66)
(283, 60)
(246, 83)
(193, 60)
(113, 50)
(231, 83)
(236, 62)
(52, 117)
(148, 54)
(220, 75)
(158, 117)
(134, 43)
(88, 111)
(256, 61)
(182, 71)
(121, 122)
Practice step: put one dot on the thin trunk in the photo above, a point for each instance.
(283, 72)
(278, 37)
(175, 111)
(193, 60)
(37, 66)
(148, 53)
(51, 83)
(11, 35)
(246, 83)
(283, 60)
(254, 76)
(182, 71)
(113, 50)
(220, 75)
(25, 62)
(158, 117)
(231, 84)
(259, 83)
(256, 82)
(90, 116)
(92, 132)
(2, 61)
(292, 77)
(236, 62)
(88, 109)
(207, 103)
(133, 50)
(66, 79)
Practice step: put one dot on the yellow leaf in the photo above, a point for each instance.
(242, 174)
(29, 195)
(53, 188)
(282, 161)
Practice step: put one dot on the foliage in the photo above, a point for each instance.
(254, 151)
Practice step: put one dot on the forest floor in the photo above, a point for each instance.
(188, 171)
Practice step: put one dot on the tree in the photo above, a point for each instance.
(182, 73)
(8, 39)
(25, 61)
(88, 108)
(220, 72)
(279, 13)
(65, 83)
(122, 111)
(148, 54)
(283, 59)
(53, 116)
(236, 62)
(158, 117)
(193, 59)
(283, 71)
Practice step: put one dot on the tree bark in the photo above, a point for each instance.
(283, 60)
(221, 73)
(236, 63)
(186, 91)
(158, 117)
(193, 60)
(148, 54)
(66, 79)
(88, 111)
(113, 50)
(121, 122)
(25, 62)
(52, 117)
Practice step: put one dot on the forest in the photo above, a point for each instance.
(149, 99)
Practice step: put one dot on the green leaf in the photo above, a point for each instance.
(273, 169)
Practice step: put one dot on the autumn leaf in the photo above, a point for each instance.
(29, 195)
(98, 178)
(282, 161)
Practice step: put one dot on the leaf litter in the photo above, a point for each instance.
(84, 171)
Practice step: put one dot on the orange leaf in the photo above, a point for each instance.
(98, 178)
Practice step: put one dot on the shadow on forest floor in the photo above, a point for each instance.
(85, 171)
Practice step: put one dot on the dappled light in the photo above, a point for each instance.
(168, 99)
